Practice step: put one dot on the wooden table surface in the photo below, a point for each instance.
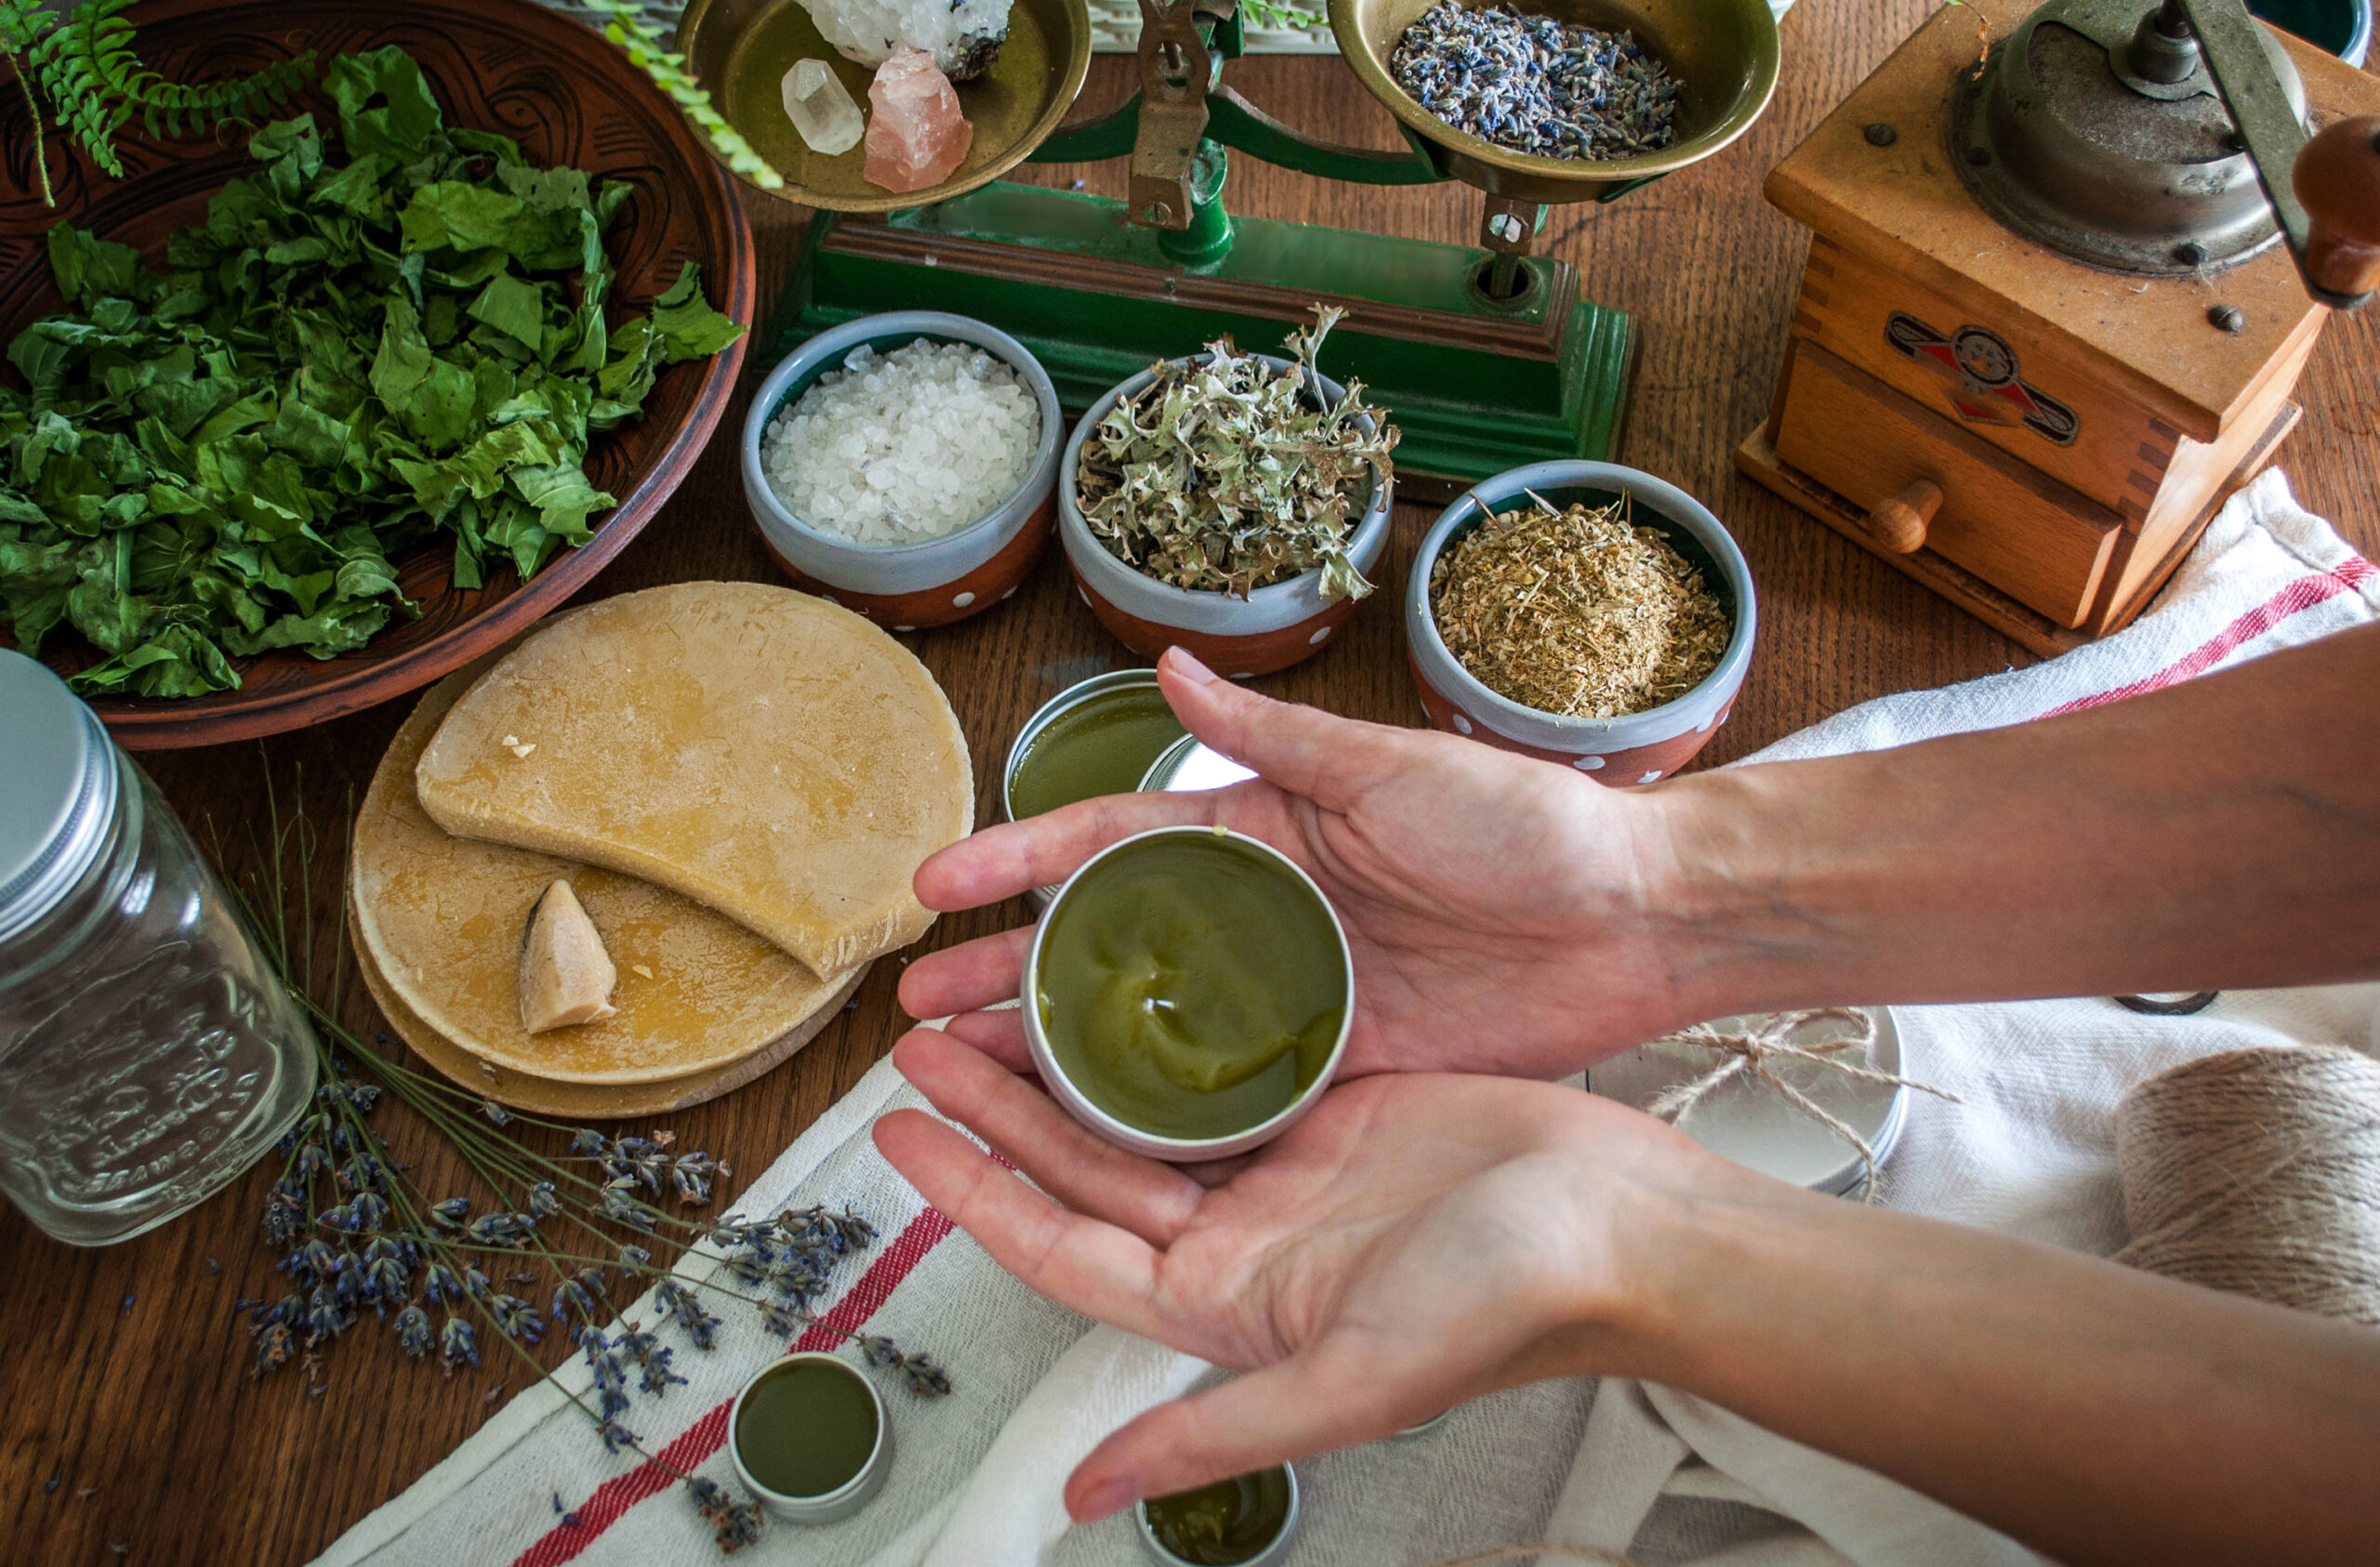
(135, 1432)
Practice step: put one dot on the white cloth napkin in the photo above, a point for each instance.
(1666, 1477)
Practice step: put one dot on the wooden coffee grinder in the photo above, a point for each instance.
(2063, 280)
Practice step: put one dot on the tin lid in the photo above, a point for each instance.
(57, 793)
(1751, 1123)
(1187, 767)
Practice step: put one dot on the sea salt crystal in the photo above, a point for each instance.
(917, 137)
(821, 107)
(902, 447)
(962, 36)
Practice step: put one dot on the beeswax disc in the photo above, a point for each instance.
(763, 752)
(579, 1102)
(441, 919)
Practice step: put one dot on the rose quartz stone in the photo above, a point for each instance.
(917, 135)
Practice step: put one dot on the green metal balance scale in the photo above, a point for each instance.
(1486, 357)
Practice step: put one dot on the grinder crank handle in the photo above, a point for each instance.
(2337, 180)
(2331, 249)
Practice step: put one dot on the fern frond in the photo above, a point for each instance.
(93, 78)
(643, 44)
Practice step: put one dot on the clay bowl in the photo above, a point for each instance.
(907, 586)
(1270, 629)
(1642, 746)
(567, 97)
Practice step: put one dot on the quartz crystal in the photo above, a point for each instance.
(821, 107)
(917, 135)
(961, 35)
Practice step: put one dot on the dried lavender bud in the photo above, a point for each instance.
(414, 1334)
(1535, 86)
(1222, 476)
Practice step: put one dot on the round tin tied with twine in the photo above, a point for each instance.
(1815, 1097)
(2258, 1171)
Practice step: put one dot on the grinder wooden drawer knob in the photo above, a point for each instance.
(1898, 523)
(2338, 178)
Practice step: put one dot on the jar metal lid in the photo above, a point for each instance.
(57, 794)
(1272, 1553)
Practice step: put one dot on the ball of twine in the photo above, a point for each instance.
(2258, 1172)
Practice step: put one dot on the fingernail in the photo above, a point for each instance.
(1108, 1495)
(1185, 663)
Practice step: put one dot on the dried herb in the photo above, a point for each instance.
(1578, 613)
(1536, 84)
(1223, 475)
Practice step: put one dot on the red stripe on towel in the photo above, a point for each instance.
(695, 1446)
(2299, 596)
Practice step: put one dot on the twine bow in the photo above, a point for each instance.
(1749, 1052)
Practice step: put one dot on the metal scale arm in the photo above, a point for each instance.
(1177, 124)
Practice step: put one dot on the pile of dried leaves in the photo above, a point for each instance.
(1577, 613)
(1222, 475)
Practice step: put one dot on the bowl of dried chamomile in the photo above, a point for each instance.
(1581, 613)
(1228, 503)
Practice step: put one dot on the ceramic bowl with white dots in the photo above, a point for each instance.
(1270, 629)
(1642, 747)
(908, 587)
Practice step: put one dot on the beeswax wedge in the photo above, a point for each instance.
(760, 751)
(440, 919)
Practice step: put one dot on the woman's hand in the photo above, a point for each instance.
(1502, 911)
(1416, 1241)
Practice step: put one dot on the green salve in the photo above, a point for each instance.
(1229, 1521)
(806, 1429)
(1190, 986)
(1101, 747)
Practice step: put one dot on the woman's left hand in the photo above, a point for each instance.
(1414, 1242)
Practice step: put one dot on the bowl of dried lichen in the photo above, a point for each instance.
(1582, 612)
(1230, 503)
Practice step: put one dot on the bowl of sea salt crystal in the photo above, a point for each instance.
(906, 466)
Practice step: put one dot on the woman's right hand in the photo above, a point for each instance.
(1504, 914)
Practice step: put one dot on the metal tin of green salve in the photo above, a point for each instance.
(1158, 1145)
(1124, 685)
(840, 1500)
(1268, 1555)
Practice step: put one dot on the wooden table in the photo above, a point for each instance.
(126, 1367)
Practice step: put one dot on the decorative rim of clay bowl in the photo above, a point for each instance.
(1262, 612)
(1698, 712)
(885, 570)
(1155, 1145)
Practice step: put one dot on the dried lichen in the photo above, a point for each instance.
(1224, 475)
(1577, 613)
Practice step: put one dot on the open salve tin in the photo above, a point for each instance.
(810, 1437)
(1096, 737)
(1188, 994)
(1245, 1522)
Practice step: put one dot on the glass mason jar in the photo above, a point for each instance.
(148, 1055)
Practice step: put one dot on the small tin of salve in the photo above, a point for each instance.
(1751, 1123)
(1268, 1555)
(835, 1501)
(1051, 721)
